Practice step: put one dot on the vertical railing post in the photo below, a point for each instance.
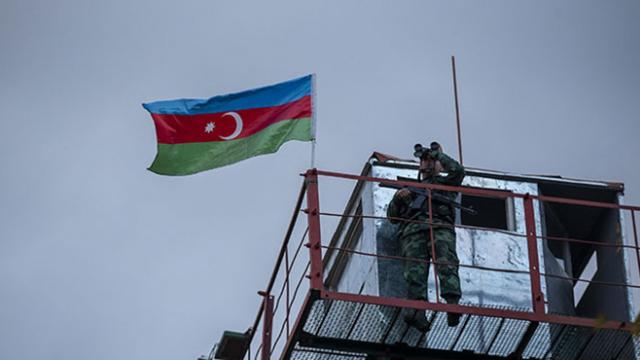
(286, 282)
(313, 214)
(635, 239)
(537, 297)
(267, 325)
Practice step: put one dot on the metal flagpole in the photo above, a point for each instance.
(314, 109)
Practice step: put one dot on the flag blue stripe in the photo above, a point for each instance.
(267, 96)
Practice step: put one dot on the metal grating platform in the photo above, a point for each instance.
(338, 329)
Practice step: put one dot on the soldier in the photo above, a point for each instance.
(415, 237)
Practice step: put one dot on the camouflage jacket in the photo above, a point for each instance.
(400, 208)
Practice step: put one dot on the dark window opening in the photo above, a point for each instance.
(493, 213)
(587, 261)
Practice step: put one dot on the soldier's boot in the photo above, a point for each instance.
(453, 319)
(418, 320)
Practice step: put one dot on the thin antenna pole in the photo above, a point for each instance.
(455, 94)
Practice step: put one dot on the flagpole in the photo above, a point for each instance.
(314, 109)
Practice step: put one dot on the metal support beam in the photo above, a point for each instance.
(480, 311)
(313, 214)
(537, 297)
(267, 325)
(635, 238)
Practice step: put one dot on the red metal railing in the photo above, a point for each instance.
(311, 266)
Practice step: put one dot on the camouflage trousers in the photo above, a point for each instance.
(417, 244)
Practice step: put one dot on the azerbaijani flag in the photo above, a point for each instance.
(196, 135)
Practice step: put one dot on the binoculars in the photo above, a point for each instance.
(420, 151)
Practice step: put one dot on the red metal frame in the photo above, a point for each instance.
(286, 281)
(478, 267)
(316, 274)
(534, 267)
(267, 326)
(481, 311)
(635, 238)
(476, 191)
(313, 214)
(510, 233)
(538, 303)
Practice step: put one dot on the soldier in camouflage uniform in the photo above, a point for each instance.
(415, 236)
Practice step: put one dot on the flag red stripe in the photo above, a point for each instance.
(177, 129)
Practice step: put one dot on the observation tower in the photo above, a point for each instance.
(548, 268)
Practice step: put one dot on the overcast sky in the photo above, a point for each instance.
(102, 259)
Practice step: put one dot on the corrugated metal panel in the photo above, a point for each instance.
(374, 321)
(373, 326)
(538, 346)
(605, 344)
(477, 334)
(315, 317)
(303, 353)
(339, 320)
(572, 342)
(441, 336)
(504, 343)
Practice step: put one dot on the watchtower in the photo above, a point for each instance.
(546, 272)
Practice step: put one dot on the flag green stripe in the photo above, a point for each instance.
(190, 158)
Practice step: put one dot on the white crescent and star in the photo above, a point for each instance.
(211, 125)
